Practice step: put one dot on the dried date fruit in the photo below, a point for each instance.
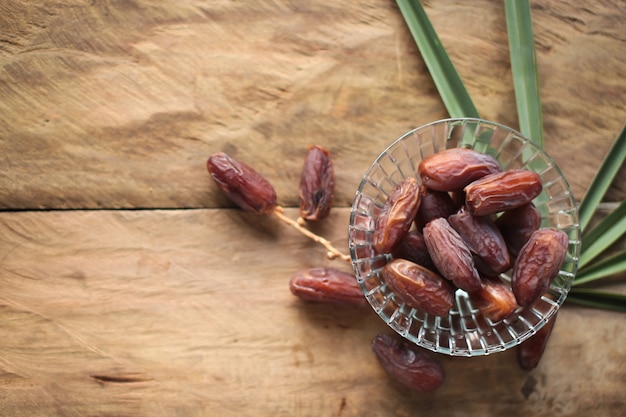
(413, 248)
(517, 225)
(484, 240)
(317, 184)
(419, 287)
(396, 216)
(242, 184)
(530, 351)
(538, 264)
(452, 169)
(434, 204)
(458, 197)
(502, 191)
(495, 300)
(407, 365)
(451, 255)
(327, 285)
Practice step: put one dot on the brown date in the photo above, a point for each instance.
(484, 240)
(327, 285)
(495, 300)
(454, 168)
(407, 365)
(517, 225)
(317, 184)
(530, 351)
(419, 287)
(434, 204)
(458, 197)
(502, 191)
(413, 248)
(242, 184)
(396, 216)
(451, 255)
(538, 263)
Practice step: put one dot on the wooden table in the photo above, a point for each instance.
(130, 286)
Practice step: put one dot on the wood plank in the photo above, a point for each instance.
(188, 312)
(118, 104)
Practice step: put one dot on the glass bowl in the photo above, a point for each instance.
(464, 332)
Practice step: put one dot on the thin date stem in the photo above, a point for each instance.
(333, 252)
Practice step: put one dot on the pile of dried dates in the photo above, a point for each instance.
(459, 225)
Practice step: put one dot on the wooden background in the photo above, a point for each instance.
(130, 286)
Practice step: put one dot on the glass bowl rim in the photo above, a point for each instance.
(527, 141)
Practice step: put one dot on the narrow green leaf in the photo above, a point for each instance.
(448, 82)
(602, 181)
(610, 266)
(524, 69)
(598, 299)
(603, 235)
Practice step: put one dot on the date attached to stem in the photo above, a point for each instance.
(317, 184)
(242, 184)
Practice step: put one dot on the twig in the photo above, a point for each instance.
(333, 252)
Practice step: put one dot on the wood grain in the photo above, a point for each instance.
(119, 103)
(179, 312)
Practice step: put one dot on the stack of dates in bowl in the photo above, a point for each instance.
(464, 237)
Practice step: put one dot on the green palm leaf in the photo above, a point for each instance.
(526, 84)
(524, 69)
(603, 235)
(603, 179)
(598, 299)
(612, 265)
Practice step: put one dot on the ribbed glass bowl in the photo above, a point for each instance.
(464, 332)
